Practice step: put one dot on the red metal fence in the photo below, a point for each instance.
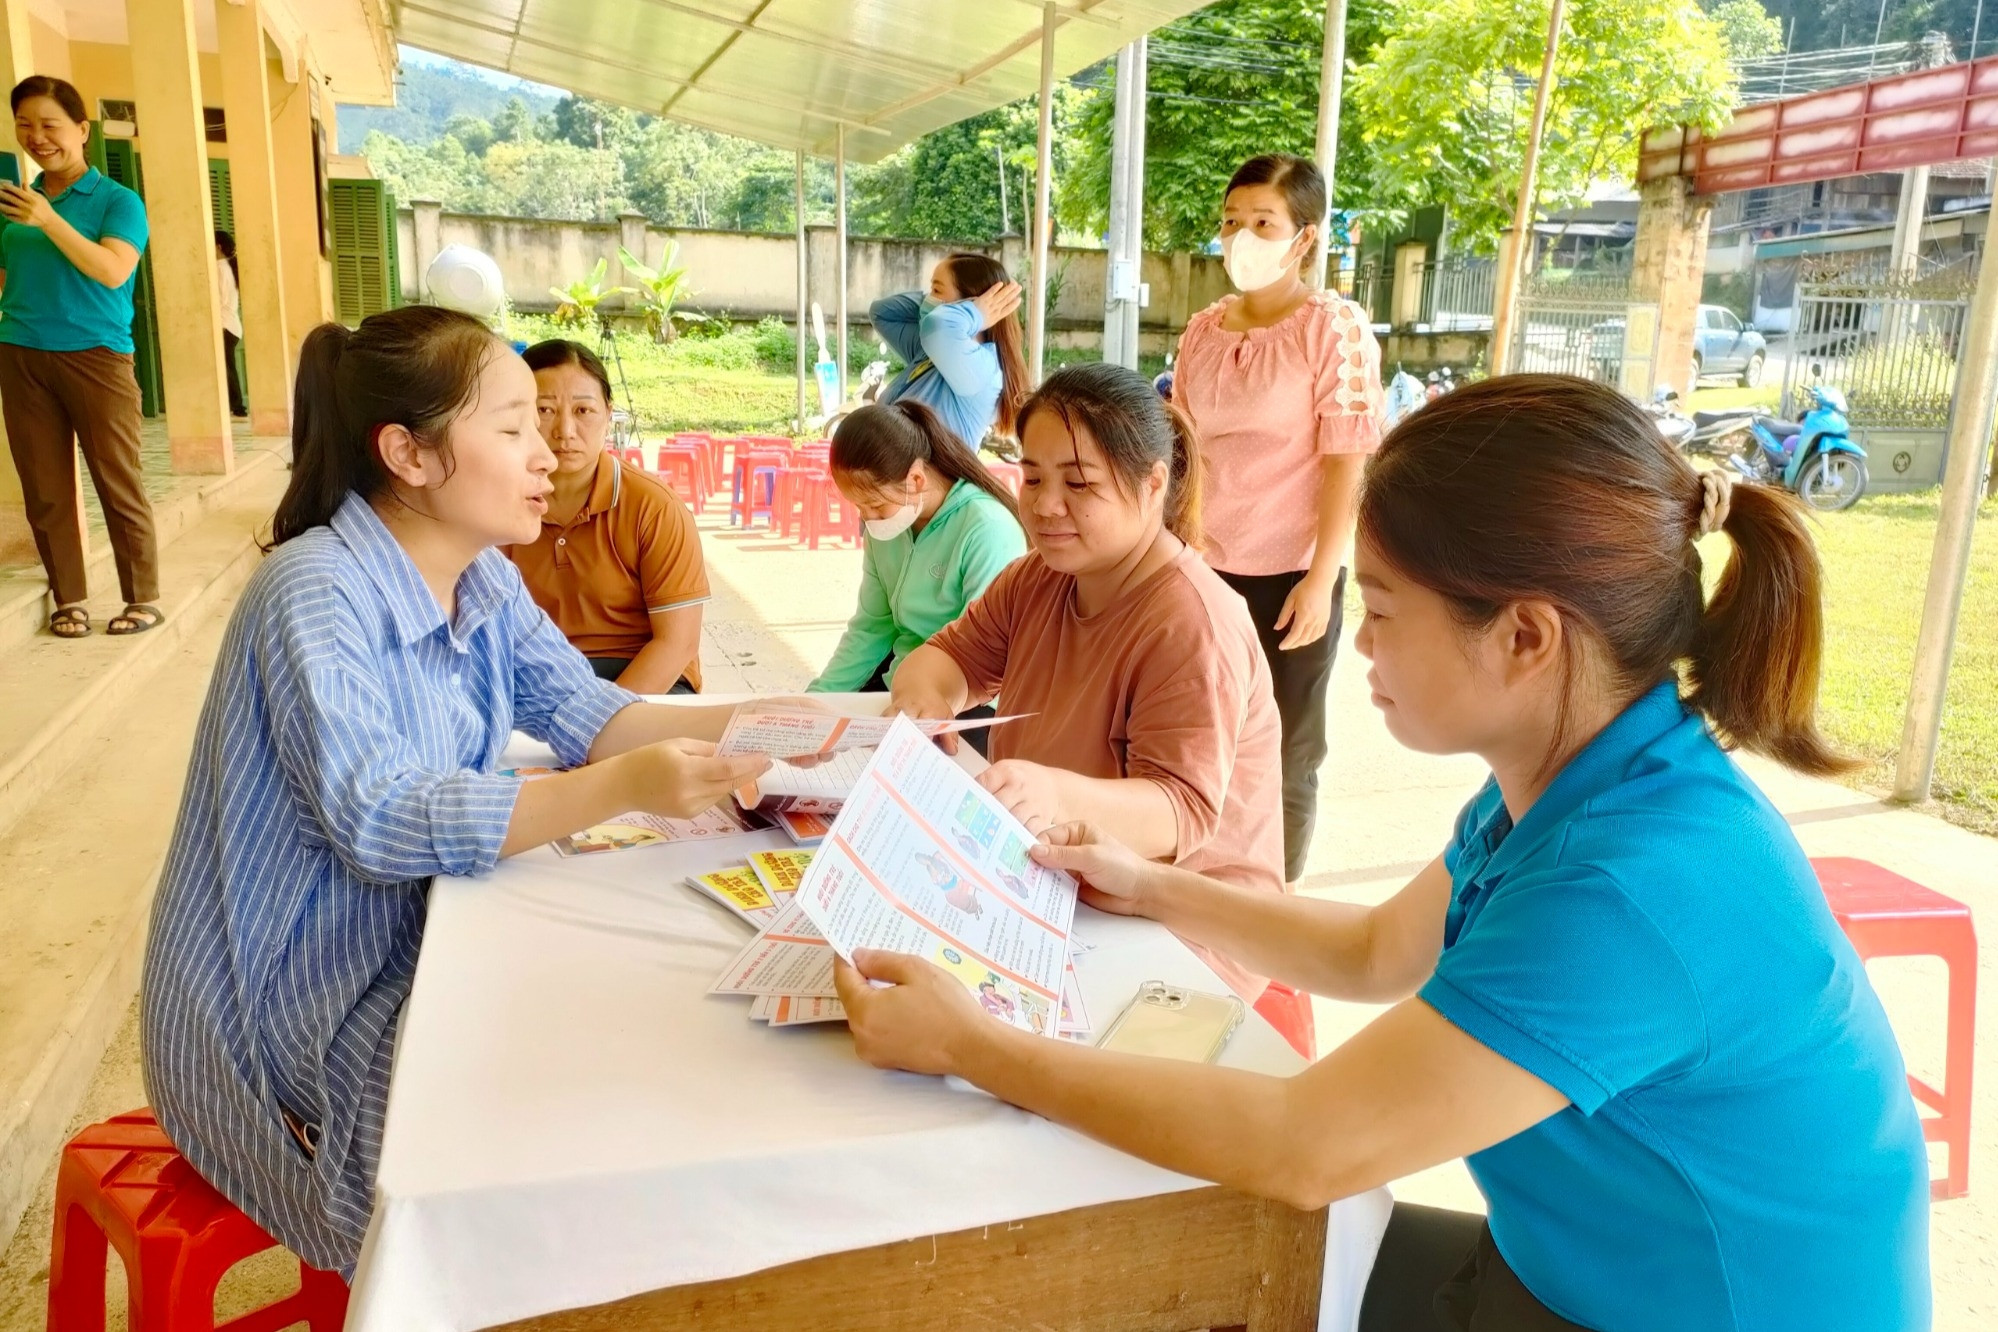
(1919, 118)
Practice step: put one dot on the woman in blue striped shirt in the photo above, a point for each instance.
(371, 676)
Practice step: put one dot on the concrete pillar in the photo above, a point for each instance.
(427, 219)
(17, 61)
(631, 228)
(1406, 307)
(246, 106)
(166, 82)
(1179, 300)
(1668, 263)
(307, 283)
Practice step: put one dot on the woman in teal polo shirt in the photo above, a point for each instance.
(1618, 993)
(940, 527)
(68, 255)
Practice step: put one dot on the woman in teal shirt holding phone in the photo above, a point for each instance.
(1618, 993)
(69, 254)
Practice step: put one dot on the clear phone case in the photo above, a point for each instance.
(1167, 1022)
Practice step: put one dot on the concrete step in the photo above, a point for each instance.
(96, 736)
(24, 593)
(52, 688)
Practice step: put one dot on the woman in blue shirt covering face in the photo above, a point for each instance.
(372, 673)
(962, 347)
(1618, 993)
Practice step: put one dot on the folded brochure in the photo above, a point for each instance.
(923, 860)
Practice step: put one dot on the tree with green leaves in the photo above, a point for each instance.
(1447, 99)
(1746, 28)
(1224, 84)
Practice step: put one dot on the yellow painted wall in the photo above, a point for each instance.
(308, 276)
(51, 49)
(101, 71)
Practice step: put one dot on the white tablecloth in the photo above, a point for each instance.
(573, 1119)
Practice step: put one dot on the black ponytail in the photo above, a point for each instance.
(881, 441)
(416, 366)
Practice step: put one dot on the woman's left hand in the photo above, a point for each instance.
(25, 207)
(1029, 790)
(1307, 610)
(919, 1022)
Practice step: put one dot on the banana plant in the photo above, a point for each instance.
(658, 288)
(576, 304)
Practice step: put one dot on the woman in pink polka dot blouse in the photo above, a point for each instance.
(1284, 383)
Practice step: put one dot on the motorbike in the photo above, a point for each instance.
(1702, 433)
(1814, 456)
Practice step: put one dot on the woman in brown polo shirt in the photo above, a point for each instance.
(1149, 706)
(618, 565)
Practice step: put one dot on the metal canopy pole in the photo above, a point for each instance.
(1513, 257)
(1120, 202)
(1134, 193)
(1949, 565)
(839, 195)
(803, 294)
(1037, 309)
(1331, 86)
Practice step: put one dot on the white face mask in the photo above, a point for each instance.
(887, 529)
(1254, 262)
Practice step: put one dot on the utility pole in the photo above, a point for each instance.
(1005, 222)
(1331, 86)
(1968, 452)
(1514, 255)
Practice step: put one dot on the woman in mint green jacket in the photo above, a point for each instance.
(940, 527)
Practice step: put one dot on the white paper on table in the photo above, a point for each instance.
(797, 1010)
(829, 780)
(789, 957)
(641, 829)
(923, 860)
(1074, 1017)
(762, 1006)
(756, 728)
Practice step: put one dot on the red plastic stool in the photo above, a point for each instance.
(681, 467)
(1009, 474)
(121, 1184)
(1885, 915)
(749, 466)
(821, 496)
(1289, 1011)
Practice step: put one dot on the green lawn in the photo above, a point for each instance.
(726, 385)
(1876, 557)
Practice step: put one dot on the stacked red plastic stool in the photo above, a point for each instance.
(121, 1184)
(1885, 915)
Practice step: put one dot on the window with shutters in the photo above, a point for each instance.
(364, 264)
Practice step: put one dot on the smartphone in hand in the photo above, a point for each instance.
(10, 168)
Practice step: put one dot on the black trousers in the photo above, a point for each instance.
(1300, 677)
(236, 406)
(1438, 1271)
(878, 684)
(609, 668)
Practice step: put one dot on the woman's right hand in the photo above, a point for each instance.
(682, 778)
(922, 706)
(997, 302)
(1114, 877)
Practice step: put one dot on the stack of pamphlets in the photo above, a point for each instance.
(922, 860)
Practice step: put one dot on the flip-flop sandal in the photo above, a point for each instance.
(136, 618)
(70, 622)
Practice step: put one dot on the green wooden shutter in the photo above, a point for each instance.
(119, 160)
(363, 249)
(392, 239)
(220, 195)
